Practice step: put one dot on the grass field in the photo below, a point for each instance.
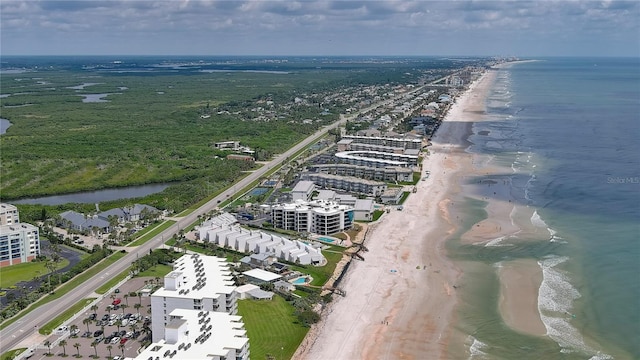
(11, 275)
(271, 327)
(9, 355)
(53, 324)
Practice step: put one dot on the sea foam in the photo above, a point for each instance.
(555, 302)
(475, 349)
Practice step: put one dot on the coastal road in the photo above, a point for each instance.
(16, 333)
(20, 331)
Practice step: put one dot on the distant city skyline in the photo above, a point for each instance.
(315, 27)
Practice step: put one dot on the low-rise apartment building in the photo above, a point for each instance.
(346, 183)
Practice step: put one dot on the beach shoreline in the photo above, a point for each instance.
(383, 314)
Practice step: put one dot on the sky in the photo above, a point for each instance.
(320, 27)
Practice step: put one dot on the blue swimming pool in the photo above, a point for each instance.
(299, 281)
(326, 239)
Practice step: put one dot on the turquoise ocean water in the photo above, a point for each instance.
(567, 131)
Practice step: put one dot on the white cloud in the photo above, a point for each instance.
(289, 24)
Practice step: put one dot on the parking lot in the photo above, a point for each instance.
(116, 328)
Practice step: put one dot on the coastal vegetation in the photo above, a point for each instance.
(160, 126)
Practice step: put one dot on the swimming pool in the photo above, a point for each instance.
(299, 281)
(326, 239)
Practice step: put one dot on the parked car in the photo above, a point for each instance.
(115, 340)
(63, 328)
(125, 322)
(123, 341)
(116, 302)
(122, 333)
(75, 332)
(105, 317)
(86, 334)
(112, 322)
(97, 333)
(93, 316)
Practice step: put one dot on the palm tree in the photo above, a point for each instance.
(73, 328)
(121, 346)
(126, 298)
(87, 322)
(48, 345)
(137, 307)
(118, 324)
(95, 349)
(94, 308)
(109, 347)
(123, 307)
(77, 346)
(63, 343)
(139, 294)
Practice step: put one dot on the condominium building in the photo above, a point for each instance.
(9, 214)
(386, 141)
(391, 173)
(346, 183)
(197, 282)
(318, 216)
(376, 158)
(198, 334)
(19, 242)
(303, 190)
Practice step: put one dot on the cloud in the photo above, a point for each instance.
(289, 26)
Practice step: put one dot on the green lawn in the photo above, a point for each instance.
(149, 235)
(321, 274)
(53, 324)
(156, 271)
(68, 286)
(11, 275)
(271, 327)
(12, 354)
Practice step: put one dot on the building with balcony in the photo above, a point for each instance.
(198, 334)
(197, 282)
(9, 214)
(317, 216)
(390, 173)
(346, 183)
(19, 243)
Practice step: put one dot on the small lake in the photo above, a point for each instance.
(95, 98)
(92, 197)
(4, 125)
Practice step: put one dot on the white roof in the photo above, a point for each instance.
(303, 186)
(227, 332)
(246, 288)
(262, 275)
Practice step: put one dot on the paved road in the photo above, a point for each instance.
(14, 334)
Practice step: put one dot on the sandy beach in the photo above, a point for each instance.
(399, 302)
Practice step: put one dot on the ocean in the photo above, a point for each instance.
(567, 133)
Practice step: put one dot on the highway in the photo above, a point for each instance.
(16, 333)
